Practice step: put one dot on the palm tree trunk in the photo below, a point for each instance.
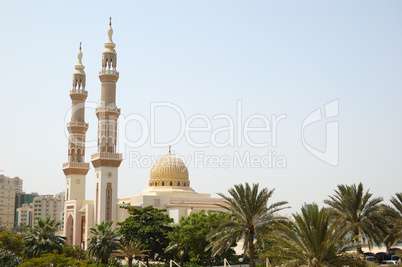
(359, 249)
(130, 262)
(251, 247)
(104, 260)
(181, 262)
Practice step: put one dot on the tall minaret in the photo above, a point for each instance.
(106, 161)
(76, 168)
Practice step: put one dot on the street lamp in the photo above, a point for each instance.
(240, 260)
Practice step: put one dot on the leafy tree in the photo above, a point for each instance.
(9, 259)
(249, 218)
(55, 259)
(11, 242)
(74, 252)
(130, 249)
(361, 213)
(189, 237)
(10, 248)
(177, 244)
(43, 238)
(150, 226)
(312, 239)
(114, 262)
(103, 241)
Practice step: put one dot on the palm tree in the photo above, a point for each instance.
(249, 218)
(43, 238)
(130, 249)
(361, 213)
(177, 244)
(312, 239)
(395, 216)
(103, 241)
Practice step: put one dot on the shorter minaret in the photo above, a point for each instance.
(76, 168)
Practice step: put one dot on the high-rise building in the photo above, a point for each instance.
(24, 215)
(21, 199)
(47, 206)
(8, 189)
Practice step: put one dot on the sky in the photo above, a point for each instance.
(298, 96)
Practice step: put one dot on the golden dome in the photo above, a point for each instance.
(169, 170)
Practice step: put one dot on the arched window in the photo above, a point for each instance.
(108, 208)
(78, 157)
(170, 183)
(184, 184)
(178, 183)
(73, 155)
(163, 183)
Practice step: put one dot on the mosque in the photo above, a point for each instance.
(169, 184)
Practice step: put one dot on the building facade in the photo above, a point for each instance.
(47, 206)
(169, 184)
(24, 215)
(22, 199)
(9, 187)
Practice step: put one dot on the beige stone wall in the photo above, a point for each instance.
(105, 176)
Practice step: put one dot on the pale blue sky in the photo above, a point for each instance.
(276, 57)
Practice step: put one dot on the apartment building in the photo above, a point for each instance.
(48, 206)
(8, 189)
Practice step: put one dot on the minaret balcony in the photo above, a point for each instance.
(77, 127)
(78, 94)
(107, 110)
(109, 75)
(75, 168)
(106, 159)
(109, 72)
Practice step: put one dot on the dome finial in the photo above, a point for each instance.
(170, 149)
(110, 31)
(79, 57)
(78, 81)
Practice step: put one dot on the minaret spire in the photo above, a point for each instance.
(77, 126)
(109, 55)
(76, 168)
(106, 161)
